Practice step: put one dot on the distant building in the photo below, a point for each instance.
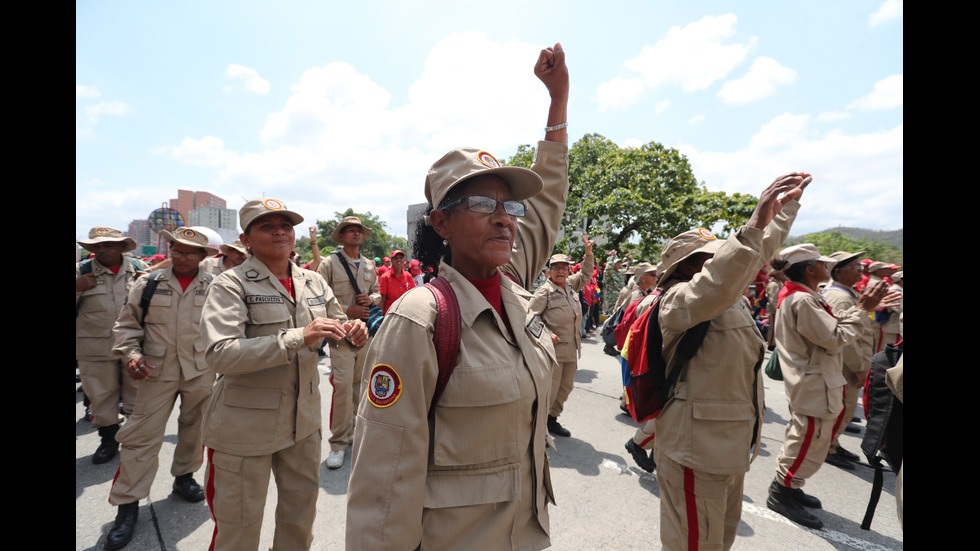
(187, 201)
(414, 213)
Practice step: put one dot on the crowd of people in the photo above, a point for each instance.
(449, 443)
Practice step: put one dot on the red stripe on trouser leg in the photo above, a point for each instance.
(790, 474)
(692, 510)
(209, 495)
(647, 441)
(114, 480)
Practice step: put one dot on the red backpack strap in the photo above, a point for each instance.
(446, 334)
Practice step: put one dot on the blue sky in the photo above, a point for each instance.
(329, 105)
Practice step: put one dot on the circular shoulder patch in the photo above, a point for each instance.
(706, 234)
(273, 204)
(488, 159)
(384, 386)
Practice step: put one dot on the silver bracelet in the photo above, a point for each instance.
(555, 127)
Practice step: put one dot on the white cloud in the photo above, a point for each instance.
(338, 143)
(661, 106)
(887, 94)
(694, 56)
(250, 78)
(696, 119)
(762, 80)
(857, 178)
(84, 91)
(887, 11)
(114, 108)
(830, 116)
(619, 93)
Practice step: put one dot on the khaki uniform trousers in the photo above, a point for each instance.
(645, 434)
(106, 383)
(142, 437)
(562, 382)
(805, 448)
(346, 374)
(851, 393)
(236, 488)
(698, 510)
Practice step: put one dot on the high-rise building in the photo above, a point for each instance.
(187, 201)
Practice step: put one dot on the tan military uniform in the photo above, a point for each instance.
(265, 412)
(213, 265)
(103, 377)
(171, 342)
(891, 329)
(474, 475)
(347, 360)
(857, 354)
(561, 311)
(810, 343)
(709, 430)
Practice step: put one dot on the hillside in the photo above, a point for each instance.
(895, 238)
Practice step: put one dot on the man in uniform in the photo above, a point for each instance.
(613, 281)
(892, 329)
(163, 353)
(710, 428)
(347, 361)
(234, 254)
(556, 302)
(878, 271)
(841, 297)
(101, 287)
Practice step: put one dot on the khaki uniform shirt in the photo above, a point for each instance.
(478, 464)
(893, 325)
(96, 310)
(561, 311)
(171, 340)
(367, 280)
(858, 353)
(714, 418)
(213, 265)
(267, 396)
(811, 343)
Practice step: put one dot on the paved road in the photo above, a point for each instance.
(604, 500)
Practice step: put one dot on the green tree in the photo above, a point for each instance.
(380, 244)
(648, 192)
(828, 242)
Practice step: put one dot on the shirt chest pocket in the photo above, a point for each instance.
(266, 319)
(159, 310)
(476, 420)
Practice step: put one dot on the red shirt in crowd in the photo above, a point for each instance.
(392, 286)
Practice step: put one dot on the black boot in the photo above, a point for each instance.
(123, 527)
(109, 447)
(554, 427)
(786, 502)
(186, 487)
(643, 460)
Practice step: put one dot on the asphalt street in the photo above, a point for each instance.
(604, 501)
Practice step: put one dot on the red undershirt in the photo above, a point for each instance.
(490, 289)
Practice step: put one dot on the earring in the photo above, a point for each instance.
(445, 242)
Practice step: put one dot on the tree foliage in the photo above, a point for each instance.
(380, 244)
(828, 242)
(647, 192)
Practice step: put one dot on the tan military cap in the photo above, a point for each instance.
(257, 208)
(560, 258)
(683, 246)
(187, 236)
(236, 244)
(349, 221)
(103, 234)
(802, 253)
(467, 162)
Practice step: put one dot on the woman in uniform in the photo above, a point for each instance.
(810, 340)
(557, 303)
(262, 323)
(468, 470)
